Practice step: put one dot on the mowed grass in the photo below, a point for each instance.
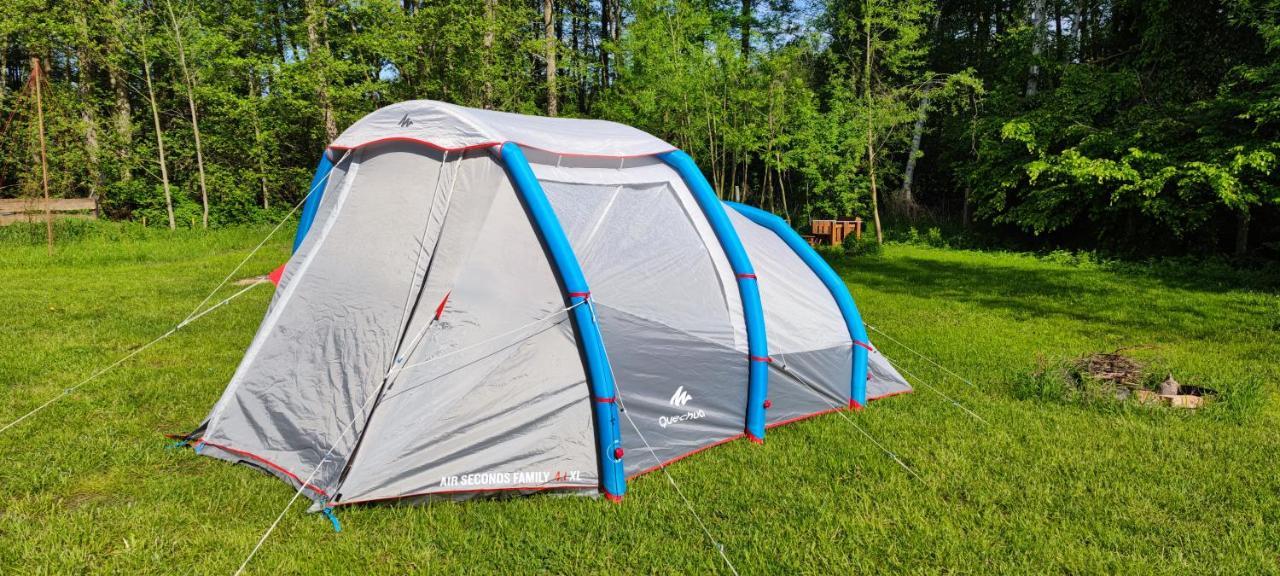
(88, 485)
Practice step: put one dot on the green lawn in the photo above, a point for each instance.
(89, 486)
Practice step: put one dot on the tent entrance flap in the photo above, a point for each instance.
(490, 396)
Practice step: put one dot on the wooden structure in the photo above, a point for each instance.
(35, 209)
(833, 232)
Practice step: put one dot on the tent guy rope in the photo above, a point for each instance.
(663, 467)
(195, 314)
(933, 389)
(840, 409)
(319, 183)
(68, 391)
(926, 358)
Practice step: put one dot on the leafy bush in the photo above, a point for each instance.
(866, 246)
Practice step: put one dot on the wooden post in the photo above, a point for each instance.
(44, 164)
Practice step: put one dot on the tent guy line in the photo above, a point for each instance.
(663, 465)
(926, 358)
(195, 313)
(839, 409)
(314, 186)
(68, 391)
(932, 388)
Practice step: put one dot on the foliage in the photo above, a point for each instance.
(865, 245)
(1139, 127)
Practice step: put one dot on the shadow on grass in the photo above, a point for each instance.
(1089, 299)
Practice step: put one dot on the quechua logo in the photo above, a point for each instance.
(681, 397)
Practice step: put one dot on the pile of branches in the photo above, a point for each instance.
(1114, 368)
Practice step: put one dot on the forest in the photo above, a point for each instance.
(1130, 127)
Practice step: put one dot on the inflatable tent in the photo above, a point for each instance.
(473, 296)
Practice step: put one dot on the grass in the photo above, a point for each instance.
(1048, 487)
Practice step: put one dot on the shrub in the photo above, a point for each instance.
(866, 246)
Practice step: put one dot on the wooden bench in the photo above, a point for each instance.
(833, 232)
(33, 209)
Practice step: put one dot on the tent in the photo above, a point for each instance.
(474, 295)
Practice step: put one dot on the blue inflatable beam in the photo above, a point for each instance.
(753, 313)
(312, 203)
(605, 408)
(833, 282)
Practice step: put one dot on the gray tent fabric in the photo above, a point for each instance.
(661, 304)
(420, 343)
(883, 380)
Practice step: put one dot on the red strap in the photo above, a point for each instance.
(440, 308)
(751, 276)
(760, 359)
(583, 295)
(864, 345)
(609, 400)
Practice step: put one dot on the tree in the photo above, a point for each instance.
(189, 84)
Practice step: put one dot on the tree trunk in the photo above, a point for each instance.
(1057, 30)
(548, 25)
(314, 48)
(4, 67)
(258, 151)
(87, 116)
(905, 203)
(490, 23)
(195, 119)
(748, 10)
(1033, 78)
(604, 37)
(155, 119)
(782, 190)
(871, 148)
(1242, 231)
(122, 120)
(1077, 29)
(576, 41)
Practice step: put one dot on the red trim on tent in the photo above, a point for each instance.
(685, 455)
(484, 145)
(269, 463)
(757, 440)
(605, 156)
(761, 359)
(478, 491)
(804, 417)
(434, 146)
(583, 295)
(616, 499)
(890, 395)
(864, 345)
(746, 276)
(833, 410)
(609, 400)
